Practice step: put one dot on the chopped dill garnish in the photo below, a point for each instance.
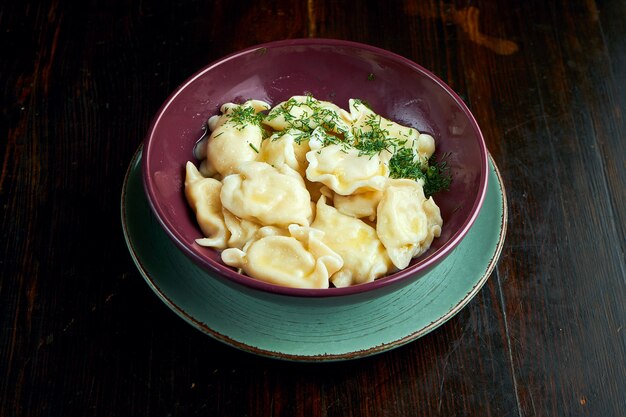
(326, 138)
(437, 177)
(403, 165)
(434, 174)
(371, 146)
(254, 148)
(300, 136)
(242, 116)
(283, 110)
(374, 140)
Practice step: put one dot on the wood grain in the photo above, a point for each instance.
(80, 332)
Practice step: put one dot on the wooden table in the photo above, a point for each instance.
(81, 334)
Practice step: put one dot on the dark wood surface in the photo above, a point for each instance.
(81, 334)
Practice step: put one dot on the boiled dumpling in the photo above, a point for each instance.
(364, 256)
(203, 196)
(366, 120)
(306, 113)
(344, 170)
(241, 230)
(300, 260)
(261, 193)
(360, 205)
(286, 148)
(235, 137)
(406, 221)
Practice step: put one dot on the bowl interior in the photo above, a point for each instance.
(330, 70)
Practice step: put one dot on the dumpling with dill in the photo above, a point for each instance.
(408, 152)
(236, 136)
(305, 114)
(375, 134)
(342, 168)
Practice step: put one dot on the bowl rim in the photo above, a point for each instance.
(230, 275)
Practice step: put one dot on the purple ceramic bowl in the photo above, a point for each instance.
(331, 70)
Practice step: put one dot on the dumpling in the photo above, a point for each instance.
(360, 205)
(364, 256)
(285, 148)
(365, 120)
(237, 114)
(203, 196)
(342, 169)
(241, 230)
(261, 193)
(300, 260)
(306, 113)
(406, 221)
(235, 137)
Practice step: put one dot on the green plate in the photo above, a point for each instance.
(321, 329)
